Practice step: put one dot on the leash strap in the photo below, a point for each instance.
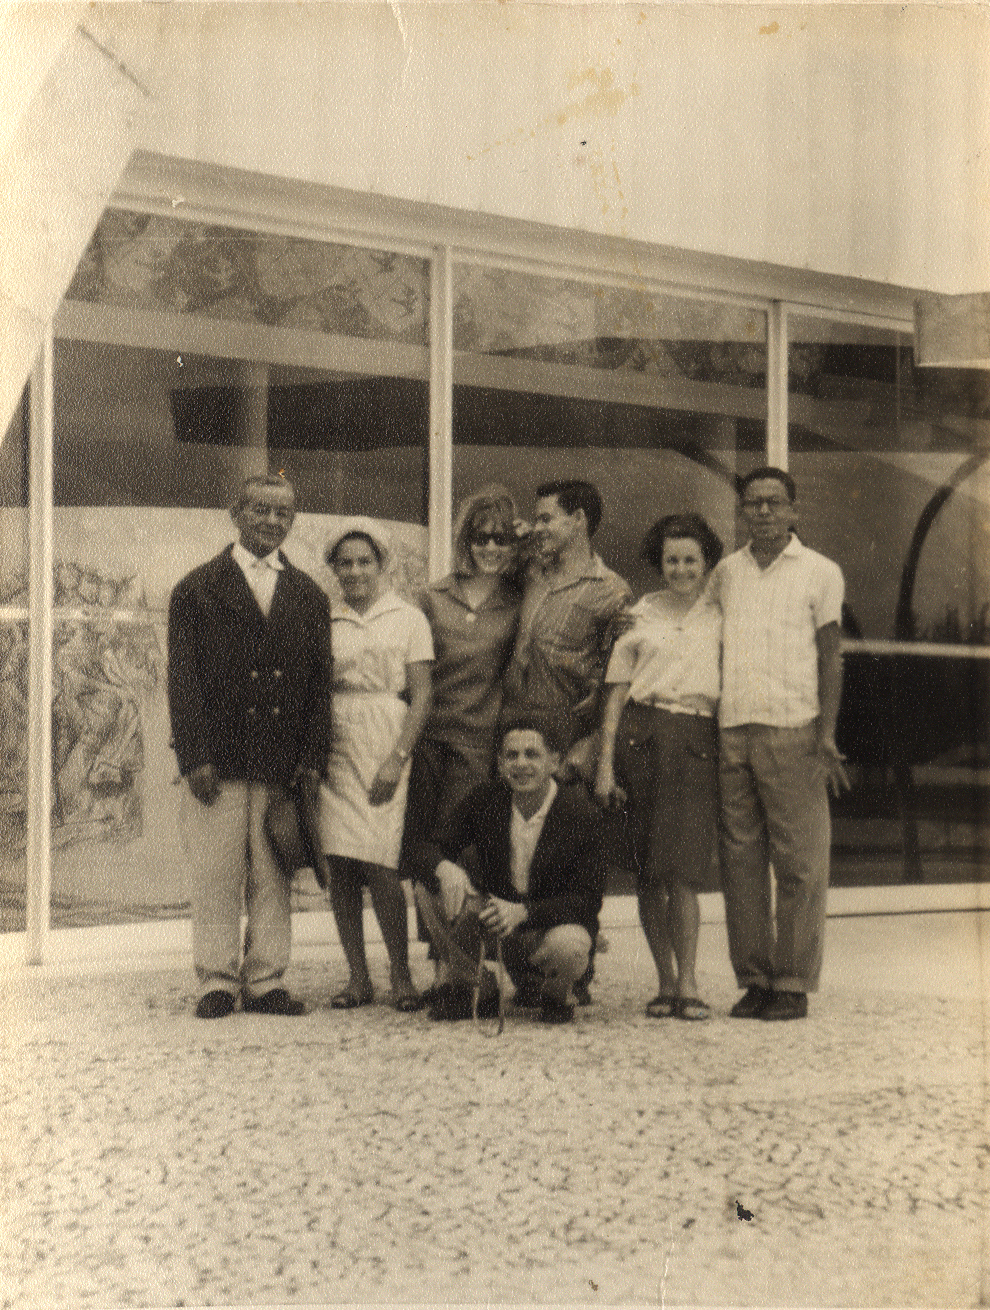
(500, 987)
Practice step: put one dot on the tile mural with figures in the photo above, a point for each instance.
(112, 768)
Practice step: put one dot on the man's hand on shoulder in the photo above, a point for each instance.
(203, 784)
(836, 778)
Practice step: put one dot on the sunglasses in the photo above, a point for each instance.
(483, 538)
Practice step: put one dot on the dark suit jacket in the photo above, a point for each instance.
(248, 694)
(567, 876)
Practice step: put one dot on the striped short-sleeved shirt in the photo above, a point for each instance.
(770, 620)
(565, 638)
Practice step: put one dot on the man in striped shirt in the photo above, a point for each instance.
(781, 683)
(567, 625)
(568, 620)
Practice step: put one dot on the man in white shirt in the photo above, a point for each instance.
(249, 684)
(781, 684)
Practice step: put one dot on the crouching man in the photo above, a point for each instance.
(537, 877)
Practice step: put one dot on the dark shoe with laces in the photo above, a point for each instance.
(786, 1005)
(277, 1001)
(752, 1003)
(556, 1012)
(451, 1003)
(454, 1003)
(216, 1004)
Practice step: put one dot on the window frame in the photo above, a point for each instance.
(444, 238)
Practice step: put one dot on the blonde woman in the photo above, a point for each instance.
(473, 615)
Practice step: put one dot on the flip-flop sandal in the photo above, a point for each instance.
(690, 1008)
(348, 1000)
(662, 1007)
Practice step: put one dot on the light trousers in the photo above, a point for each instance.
(233, 872)
(775, 815)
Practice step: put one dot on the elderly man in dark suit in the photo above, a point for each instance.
(536, 879)
(249, 678)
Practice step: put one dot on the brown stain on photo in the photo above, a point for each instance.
(602, 101)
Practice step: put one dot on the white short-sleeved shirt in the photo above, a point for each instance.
(671, 659)
(770, 618)
(371, 650)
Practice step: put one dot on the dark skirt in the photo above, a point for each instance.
(668, 765)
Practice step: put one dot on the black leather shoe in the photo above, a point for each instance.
(277, 1001)
(556, 1012)
(528, 997)
(454, 1003)
(216, 1005)
(451, 1003)
(786, 1005)
(752, 1003)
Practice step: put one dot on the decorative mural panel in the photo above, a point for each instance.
(107, 666)
(14, 560)
(499, 311)
(160, 263)
(13, 735)
(117, 850)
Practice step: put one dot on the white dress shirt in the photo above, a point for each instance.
(261, 574)
(523, 837)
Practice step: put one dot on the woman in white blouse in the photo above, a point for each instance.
(382, 651)
(659, 750)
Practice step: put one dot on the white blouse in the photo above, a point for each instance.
(670, 659)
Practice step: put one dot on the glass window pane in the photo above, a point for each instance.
(189, 356)
(14, 669)
(893, 469)
(659, 400)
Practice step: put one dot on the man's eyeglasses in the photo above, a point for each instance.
(281, 513)
(771, 502)
(483, 538)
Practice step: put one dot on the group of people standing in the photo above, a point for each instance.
(500, 741)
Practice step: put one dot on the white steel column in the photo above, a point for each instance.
(441, 479)
(777, 384)
(41, 620)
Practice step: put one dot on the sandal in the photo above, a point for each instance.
(348, 1000)
(662, 1007)
(690, 1008)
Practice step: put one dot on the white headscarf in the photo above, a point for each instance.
(367, 528)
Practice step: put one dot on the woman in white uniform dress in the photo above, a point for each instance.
(382, 650)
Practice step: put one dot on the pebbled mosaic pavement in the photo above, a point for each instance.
(153, 1159)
